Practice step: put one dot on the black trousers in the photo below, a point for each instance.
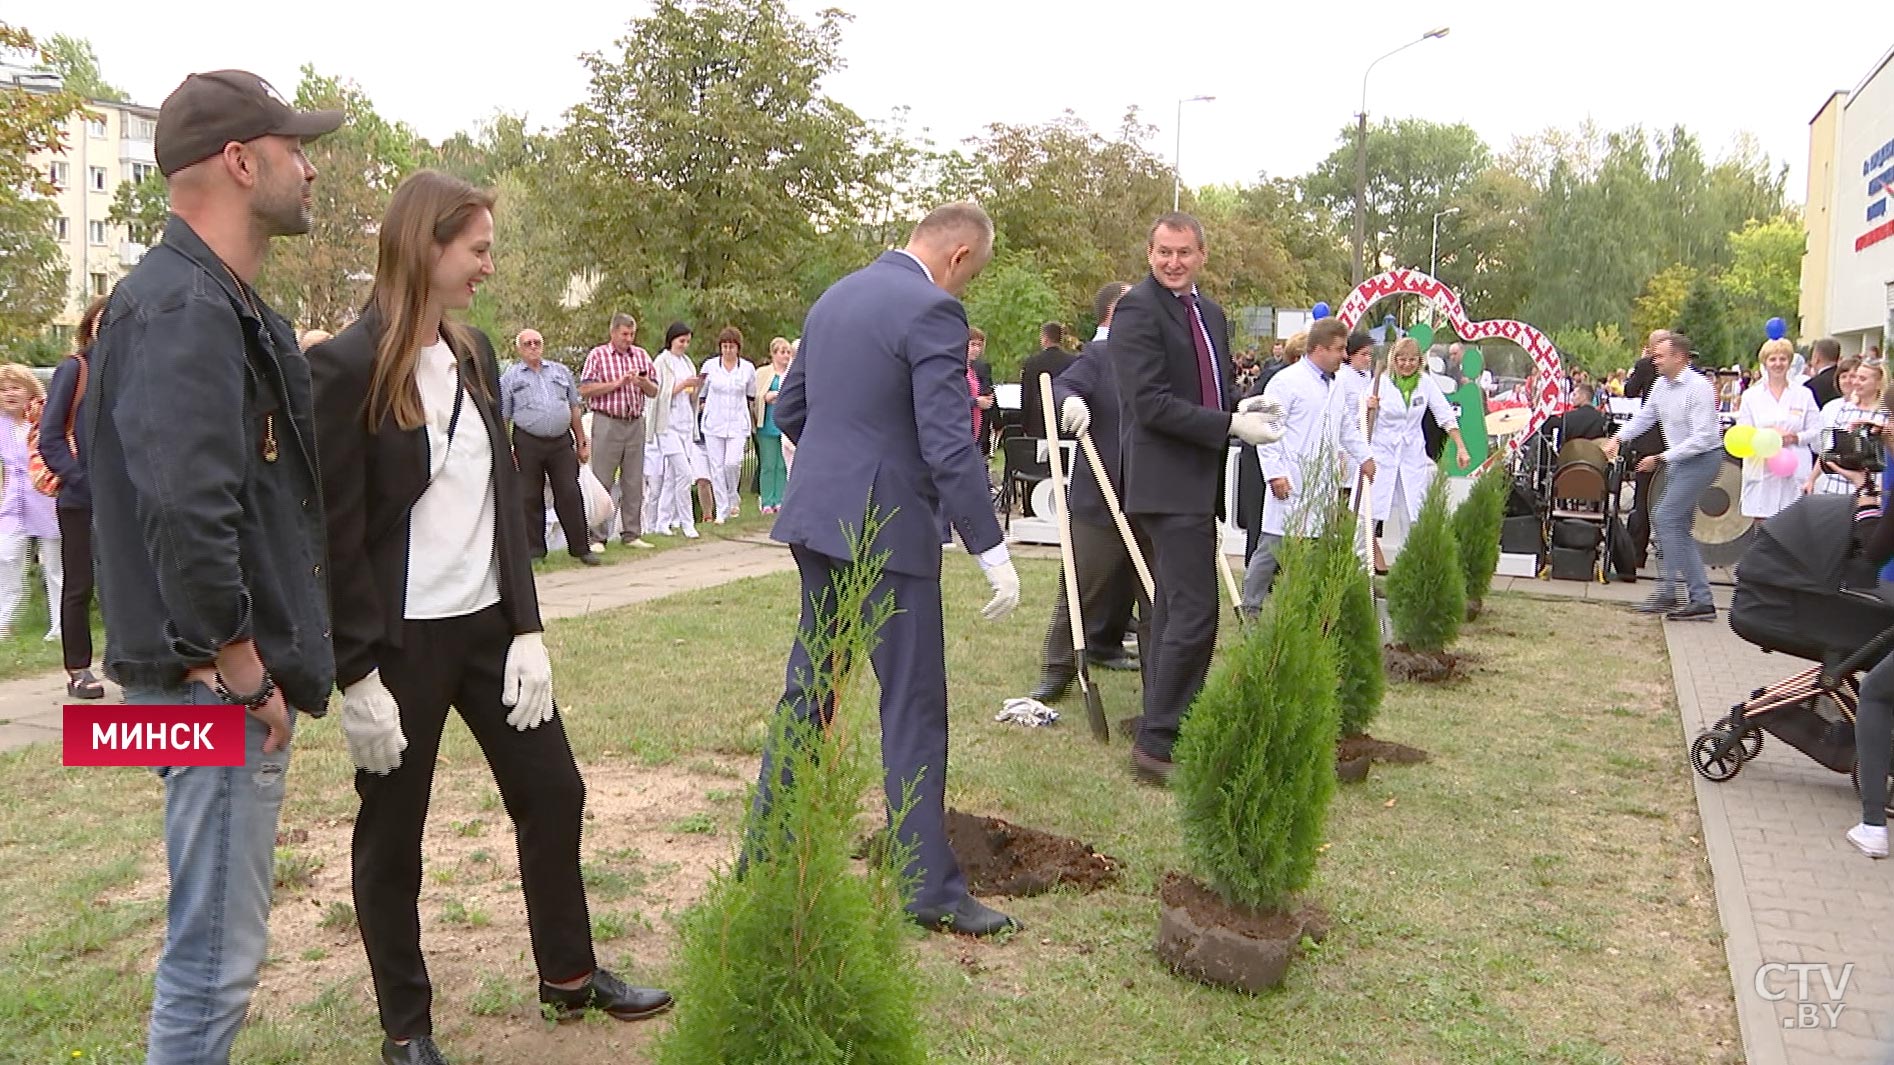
(1180, 631)
(911, 663)
(543, 458)
(1108, 587)
(75, 596)
(1639, 523)
(459, 662)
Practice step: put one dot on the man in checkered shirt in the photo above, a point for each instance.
(617, 379)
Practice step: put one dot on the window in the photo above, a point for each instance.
(58, 173)
(98, 284)
(141, 171)
(140, 129)
(62, 229)
(95, 126)
(95, 178)
(95, 232)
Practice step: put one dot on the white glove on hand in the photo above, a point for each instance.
(1074, 416)
(1260, 405)
(1005, 582)
(526, 683)
(371, 722)
(1255, 427)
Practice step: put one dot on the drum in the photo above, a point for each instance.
(1720, 529)
(1581, 471)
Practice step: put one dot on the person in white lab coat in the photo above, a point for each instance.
(1404, 395)
(1316, 418)
(1777, 402)
(1355, 379)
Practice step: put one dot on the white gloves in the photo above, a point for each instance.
(1260, 405)
(1005, 582)
(526, 684)
(1256, 427)
(1074, 416)
(371, 722)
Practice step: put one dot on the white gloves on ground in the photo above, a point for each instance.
(371, 723)
(1029, 712)
(1005, 582)
(526, 684)
(1256, 427)
(1074, 416)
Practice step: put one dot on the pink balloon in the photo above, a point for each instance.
(1782, 463)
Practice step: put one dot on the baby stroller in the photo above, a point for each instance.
(1804, 589)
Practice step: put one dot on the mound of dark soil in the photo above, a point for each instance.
(1001, 858)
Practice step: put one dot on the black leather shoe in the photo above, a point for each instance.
(1123, 663)
(968, 917)
(417, 1051)
(590, 558)
(1053, 684)
(1151, 769)
(608, 994)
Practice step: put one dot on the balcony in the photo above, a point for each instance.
(129, 252)
(136, 151)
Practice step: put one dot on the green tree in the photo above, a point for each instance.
(1485, 249)
(1415, 168)
(141, 207)
(321, 280)
(1763, 280)
(1427, 596)
(1010, 300)
(1476, 527)
(1704, 319)
(707, 158)
(1315, 240)
(33, 283)
(77, 65)
(1662, 300)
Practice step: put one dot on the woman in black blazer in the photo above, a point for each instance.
(431, 591)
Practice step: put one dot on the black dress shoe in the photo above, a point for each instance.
(608, 994)
(1151, 769)
(590, 558)
(1053, 684)
(968, 917)
(1123, 663)
(417, 1051)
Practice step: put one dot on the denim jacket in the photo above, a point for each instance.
(199, 437)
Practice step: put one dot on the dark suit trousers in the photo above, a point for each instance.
(1639, 524)
(911, 663)
(459, 662)
(1181, 630)
(1108, 586)
(543, 458)
(75, 595)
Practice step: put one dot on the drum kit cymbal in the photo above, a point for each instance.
(1508, 421)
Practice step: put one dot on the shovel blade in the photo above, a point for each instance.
(1095, 711)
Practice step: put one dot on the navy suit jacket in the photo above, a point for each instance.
(1091, 379)
(877, 406)
(1174, 444)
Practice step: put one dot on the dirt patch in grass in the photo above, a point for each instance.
(1427, 667)
(1001, 858)
(1386, 752)
(1211, 909)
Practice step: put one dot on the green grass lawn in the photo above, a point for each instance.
(1536, 894)
(27, 652)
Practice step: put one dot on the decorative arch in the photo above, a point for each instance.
(1407, 282)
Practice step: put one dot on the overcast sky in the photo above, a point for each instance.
(1286, 77)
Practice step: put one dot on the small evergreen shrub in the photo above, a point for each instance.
(1356, 629)
(1427, 598)
(1476, 527)
(794, 957)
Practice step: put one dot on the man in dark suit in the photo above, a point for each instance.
(1637, 385)
(877, 404)
(1171, 351)
(1583, 422)
(1052, 358)
(1087, 395)
(1824, 358)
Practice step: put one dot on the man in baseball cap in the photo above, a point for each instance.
(206, 583)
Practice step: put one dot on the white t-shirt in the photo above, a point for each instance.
(452, 571)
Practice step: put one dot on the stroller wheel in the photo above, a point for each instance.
(1710, 762)
(1752, 744)
(1752, 738)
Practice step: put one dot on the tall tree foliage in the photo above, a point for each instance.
(1415, 168)
(141, 207)
(77, 65)
(709, 160)
(33, 282)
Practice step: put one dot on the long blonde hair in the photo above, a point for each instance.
(428, 211)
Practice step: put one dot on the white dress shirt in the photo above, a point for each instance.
(452, 571)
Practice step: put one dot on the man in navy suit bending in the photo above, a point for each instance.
(877, 406)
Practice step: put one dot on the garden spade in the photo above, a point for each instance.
(1117, 514)
(1055, 462)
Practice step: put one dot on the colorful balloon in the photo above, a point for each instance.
(1765, 443)
(1782, 463)
(1319, 312)
(1423, 335)
(1738, 440)
(1777, 328)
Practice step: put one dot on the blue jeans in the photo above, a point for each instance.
(220, 848)
(1681, 562)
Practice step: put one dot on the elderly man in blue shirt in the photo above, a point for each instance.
(541, 401)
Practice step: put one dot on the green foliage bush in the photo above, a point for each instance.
(1476, 527)
(1256, 755)
(1356, 629)
(794, 957)
(1427, 596)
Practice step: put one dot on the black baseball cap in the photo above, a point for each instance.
(210, 110)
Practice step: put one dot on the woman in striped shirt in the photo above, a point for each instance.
(1860, 401)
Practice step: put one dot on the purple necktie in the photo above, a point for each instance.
(1207, 378)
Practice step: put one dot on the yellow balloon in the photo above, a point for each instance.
(1737, 441)
(1766, 443)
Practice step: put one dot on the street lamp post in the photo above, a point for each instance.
(1361, 148)
(1177, 152)
(1433, 256)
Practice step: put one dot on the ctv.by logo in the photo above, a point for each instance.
(1818, 990)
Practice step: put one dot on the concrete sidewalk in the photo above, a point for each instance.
(31, 707)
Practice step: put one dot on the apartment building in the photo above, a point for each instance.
(1848, 265)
